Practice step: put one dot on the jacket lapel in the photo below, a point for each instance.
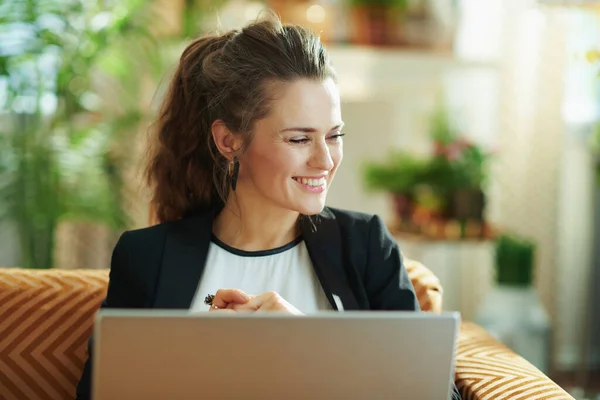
(324, 244)
(183, 262)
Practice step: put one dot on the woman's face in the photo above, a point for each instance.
(296, 149)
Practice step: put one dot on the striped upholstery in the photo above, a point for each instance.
(487, 370)
(427, 286)
(46, 319)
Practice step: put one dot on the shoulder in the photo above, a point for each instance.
(143, 249)
(136, 263)
(143, 239)
(150, 238)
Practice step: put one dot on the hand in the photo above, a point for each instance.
(270, 301)
(225, 299)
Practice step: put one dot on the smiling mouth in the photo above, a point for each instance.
(311, 182)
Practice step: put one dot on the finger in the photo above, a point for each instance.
(242, 307)
(226, 296)
(271, 303)
(262, 301)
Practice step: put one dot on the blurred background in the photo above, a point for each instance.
(473, 129)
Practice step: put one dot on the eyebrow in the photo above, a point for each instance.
(309, 130)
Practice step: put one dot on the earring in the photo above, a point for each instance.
(234, 170)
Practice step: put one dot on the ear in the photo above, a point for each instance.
(227, 142)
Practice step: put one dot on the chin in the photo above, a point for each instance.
(311, 209)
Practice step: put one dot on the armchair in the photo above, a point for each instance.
(46, 319)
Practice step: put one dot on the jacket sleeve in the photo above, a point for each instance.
(387, 283)
(386, 280)
(121, 294)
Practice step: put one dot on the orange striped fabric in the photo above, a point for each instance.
(46, 319)
(487, 370)
(427, 286)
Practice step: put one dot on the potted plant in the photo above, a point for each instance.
(512, 311)
(377, 22)
(468, 198)
(441, 194)
(514, 260)
(400, 176)
(460, 168)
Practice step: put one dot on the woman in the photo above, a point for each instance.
(247, 144)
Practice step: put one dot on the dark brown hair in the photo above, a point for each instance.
(228, 77)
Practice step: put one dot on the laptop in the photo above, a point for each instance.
(160, 354)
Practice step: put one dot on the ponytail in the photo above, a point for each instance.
(180, 166)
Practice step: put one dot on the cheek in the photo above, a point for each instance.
(283, 163)
(270, 164)
(337, 154)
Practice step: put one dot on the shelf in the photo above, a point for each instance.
(367, 72)
(400, 55)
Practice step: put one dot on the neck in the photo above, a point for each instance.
(254, 226)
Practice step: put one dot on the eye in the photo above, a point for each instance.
(336, 137)
(299, 141)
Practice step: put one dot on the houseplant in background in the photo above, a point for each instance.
(512, 311)
(442, 195)
(461, 167)
(376, 22)
(399, 175)
(414, 185)
(466, 164)
(69, 105)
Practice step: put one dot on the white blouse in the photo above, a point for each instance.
(286, 270)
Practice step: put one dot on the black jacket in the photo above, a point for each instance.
(353, 254)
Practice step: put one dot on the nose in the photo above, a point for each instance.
(321, 157)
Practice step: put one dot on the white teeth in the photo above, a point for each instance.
(312, 182)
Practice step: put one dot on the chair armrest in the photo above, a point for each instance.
(486, 369)
(427, 286)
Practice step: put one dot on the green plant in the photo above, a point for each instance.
(471, 168)
(399, 174)
(458, 163)
(441, 130)
(70, 87)
(514, 260)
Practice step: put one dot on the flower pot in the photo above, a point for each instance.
(467, 204)
(376, 25)
(430, 25)
(403, 206)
